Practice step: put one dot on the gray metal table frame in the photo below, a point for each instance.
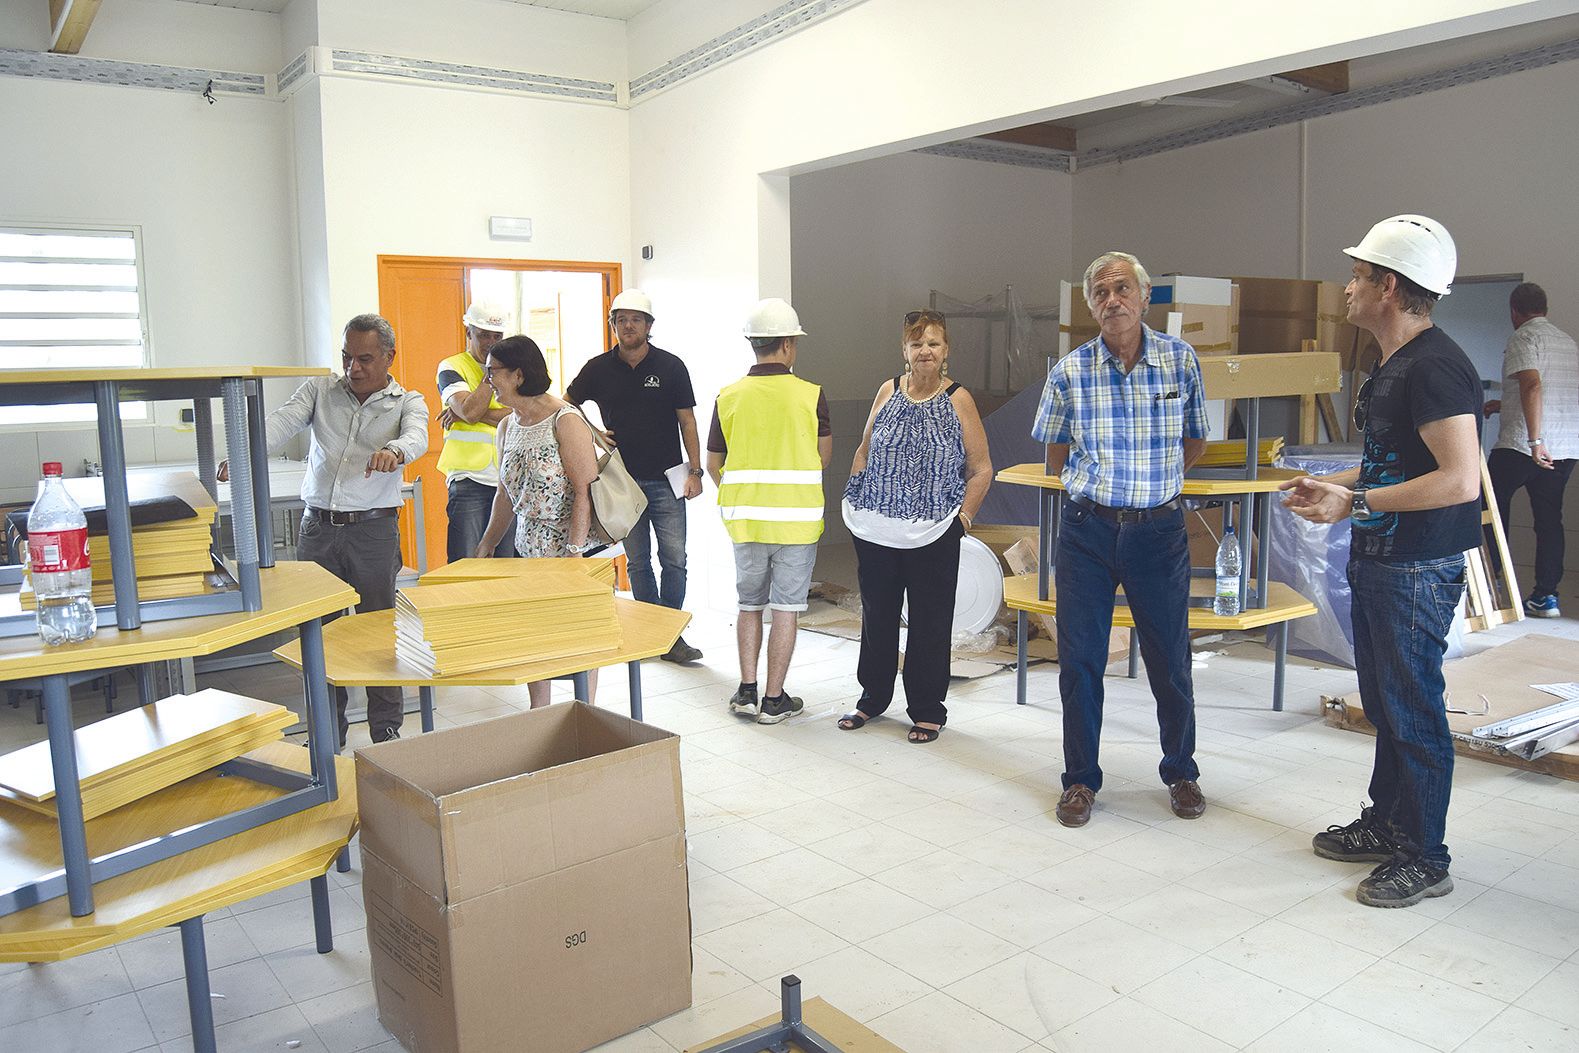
(776, 1038)
(581, 681)
(1050, 502)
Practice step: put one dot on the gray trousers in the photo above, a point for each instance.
(366, 556)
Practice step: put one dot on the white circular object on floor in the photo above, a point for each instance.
(979, 594)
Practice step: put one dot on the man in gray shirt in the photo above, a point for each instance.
(364, 428)
(1539, 437)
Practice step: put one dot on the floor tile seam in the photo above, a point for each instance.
(1306, 999)
(1447, 922)
(1425, 976)
(131, 989)
(930, 989)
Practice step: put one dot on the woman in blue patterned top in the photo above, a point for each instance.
(919, 476)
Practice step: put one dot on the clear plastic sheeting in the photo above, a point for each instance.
(997, 344)
(1313, 559)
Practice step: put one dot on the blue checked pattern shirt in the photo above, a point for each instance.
(1125, 432)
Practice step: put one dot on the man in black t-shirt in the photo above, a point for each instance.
(644, 395)
(1415, 502)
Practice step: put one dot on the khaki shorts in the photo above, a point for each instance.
(776, 576)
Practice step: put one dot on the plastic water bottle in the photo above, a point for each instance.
(57, 545)
(1227, 599)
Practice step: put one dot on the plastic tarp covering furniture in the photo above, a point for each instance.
(1009, 439)
(1313, 559)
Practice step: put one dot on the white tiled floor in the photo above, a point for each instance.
(927, 891)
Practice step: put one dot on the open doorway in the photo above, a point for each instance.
(563, 305)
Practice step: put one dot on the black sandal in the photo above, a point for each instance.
(853, 721)
(919, 734)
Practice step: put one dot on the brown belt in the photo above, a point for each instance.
(1128, 515)
(340, 519)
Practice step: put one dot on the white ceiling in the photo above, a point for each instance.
(622, 9)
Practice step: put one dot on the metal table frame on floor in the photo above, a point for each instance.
(791, 1027)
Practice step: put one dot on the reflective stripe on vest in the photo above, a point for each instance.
(467, 447)
(770, 489)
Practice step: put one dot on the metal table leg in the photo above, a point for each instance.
(243, 513)
(147, 689)
(1134, 655)
(1021, 660)
(322, 923)
(425, 698)
(68, 794)
(1278, 666)
(634, 669)
(199, 1002)
(264, 511)
(790, 1028)
(582, 682)
(203, 423)
(117, 503)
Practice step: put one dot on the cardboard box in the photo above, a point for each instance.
(1279, 314)
(1207, 328)
(1183, 288)
(525, 882)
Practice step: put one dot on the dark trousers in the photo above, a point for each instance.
(468, 509)
(1151, 560)
(1512, 471)
(366, 556)
(1402, 613)
(928, 575)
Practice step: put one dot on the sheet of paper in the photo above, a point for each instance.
(677, 477)
(1567, 692)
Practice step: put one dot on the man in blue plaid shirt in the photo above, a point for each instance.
(1123, 417)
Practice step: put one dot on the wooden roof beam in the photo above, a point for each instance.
(1046, 135)
(68, 24)
(1331, 78)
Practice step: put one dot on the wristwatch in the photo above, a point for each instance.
(696, 471)
(1359, 507)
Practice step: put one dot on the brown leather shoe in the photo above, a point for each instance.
(1074, 807)
(1186, 798)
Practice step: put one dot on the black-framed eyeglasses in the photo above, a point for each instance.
(1362, 405)
(915, 316)
(489, 371)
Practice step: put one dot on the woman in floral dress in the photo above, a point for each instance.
(546, 464)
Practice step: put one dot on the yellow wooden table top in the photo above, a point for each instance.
(1267, 481)
(292, 593)
(237, 868)
(596, 567)
(360, 650)
(77, 376)
(1284, 604)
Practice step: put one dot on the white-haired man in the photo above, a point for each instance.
(1123, 417)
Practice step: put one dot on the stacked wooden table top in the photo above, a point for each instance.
(465, 626)
(135, 753)
(172, 555)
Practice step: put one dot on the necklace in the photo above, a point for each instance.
(910, 392)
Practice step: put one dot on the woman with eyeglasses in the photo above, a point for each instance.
(546, 465)
(918, 478)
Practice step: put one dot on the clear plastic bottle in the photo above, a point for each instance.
(57, 545)
(1226, 601)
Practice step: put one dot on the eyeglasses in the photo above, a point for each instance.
(915, 316)
(1362, 405)
(489, 371)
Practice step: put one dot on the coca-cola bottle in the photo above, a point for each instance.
(57, 546)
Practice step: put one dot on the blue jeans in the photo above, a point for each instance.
(1151, 560)
(1402, 613)
(469, 505)
(665, 515)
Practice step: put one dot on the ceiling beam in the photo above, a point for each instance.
(1046, 135)
(1332, 78)
(68, 24)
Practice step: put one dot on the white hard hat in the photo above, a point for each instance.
(773, 317)
(632, 300)
(485, 316)
(1417, 247)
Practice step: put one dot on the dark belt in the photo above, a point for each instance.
(1128, 515)
(340, 519)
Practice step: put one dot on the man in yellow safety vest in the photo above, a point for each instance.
(768, 445)
(471, 415)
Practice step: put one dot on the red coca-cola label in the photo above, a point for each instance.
(50, 552)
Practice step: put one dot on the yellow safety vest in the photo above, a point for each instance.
(467, 447)
(771, 489)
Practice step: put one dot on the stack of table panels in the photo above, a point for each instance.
(1230, 453)
(130, 755)
(448, 630)
(172, 534)
(597, 568)
(245, 865)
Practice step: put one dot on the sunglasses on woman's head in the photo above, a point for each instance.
(915, 316)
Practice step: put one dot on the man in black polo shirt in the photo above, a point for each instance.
(643, 392)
